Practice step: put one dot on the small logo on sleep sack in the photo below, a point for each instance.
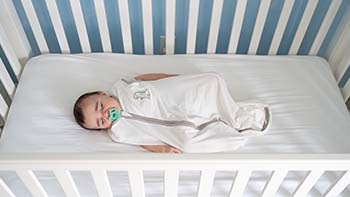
(142, 94)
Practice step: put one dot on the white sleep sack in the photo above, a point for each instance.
(194, 113)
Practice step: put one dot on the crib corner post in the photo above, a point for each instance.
(14, 31)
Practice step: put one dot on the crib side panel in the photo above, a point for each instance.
(268, 174)
(10, 69)
(266, 27)
(239, 26)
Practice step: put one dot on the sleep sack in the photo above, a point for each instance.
(194, 113)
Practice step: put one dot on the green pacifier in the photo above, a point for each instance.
(114, 114)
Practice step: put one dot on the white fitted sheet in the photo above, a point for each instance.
(308, 113)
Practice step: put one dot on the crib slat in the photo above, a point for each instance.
(65, 179)
(237, 25)
(192, 26)
(274, 183)
(5, 190)
(337, 56)
(102, 183)
(3, 108)
(332, 11)
(342, 66)
(136, 183)
(58, 26)
(32, 183)
(103, 25)
(340, 185)
(342, 63)
(6, 79)
(304, 23)
(346, 93)
(9, 52)
(214, 26)
(206, 183)
(170, 26)
(80, 25)
(240, 183)
(147, 26)
(281, 26)
(34, 23)
(259, 26)
(125, 25)
(171, 181)
(308, 183)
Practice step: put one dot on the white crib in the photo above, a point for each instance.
(24, 33)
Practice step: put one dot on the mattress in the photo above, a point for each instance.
(308, 115)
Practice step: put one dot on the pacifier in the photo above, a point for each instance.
(114, 114)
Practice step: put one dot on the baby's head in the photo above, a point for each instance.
(91, 110)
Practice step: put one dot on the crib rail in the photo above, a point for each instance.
(171, 165)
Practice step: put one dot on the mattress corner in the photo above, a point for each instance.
(320, 58)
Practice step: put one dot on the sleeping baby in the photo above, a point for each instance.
(173, 113)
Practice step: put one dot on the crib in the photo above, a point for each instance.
(261, 28)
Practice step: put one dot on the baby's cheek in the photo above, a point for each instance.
(109, 124)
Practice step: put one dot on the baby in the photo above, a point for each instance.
(91, 111)
(172, 113)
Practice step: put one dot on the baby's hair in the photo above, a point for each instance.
(78, 111)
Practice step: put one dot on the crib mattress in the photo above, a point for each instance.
(308, 114)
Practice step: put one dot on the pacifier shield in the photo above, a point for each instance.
(114, 114)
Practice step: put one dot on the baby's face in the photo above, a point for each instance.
(95, 110)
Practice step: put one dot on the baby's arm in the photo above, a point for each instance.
(161, 149)
(153, 76)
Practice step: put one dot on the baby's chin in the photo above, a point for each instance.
(109, 126)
